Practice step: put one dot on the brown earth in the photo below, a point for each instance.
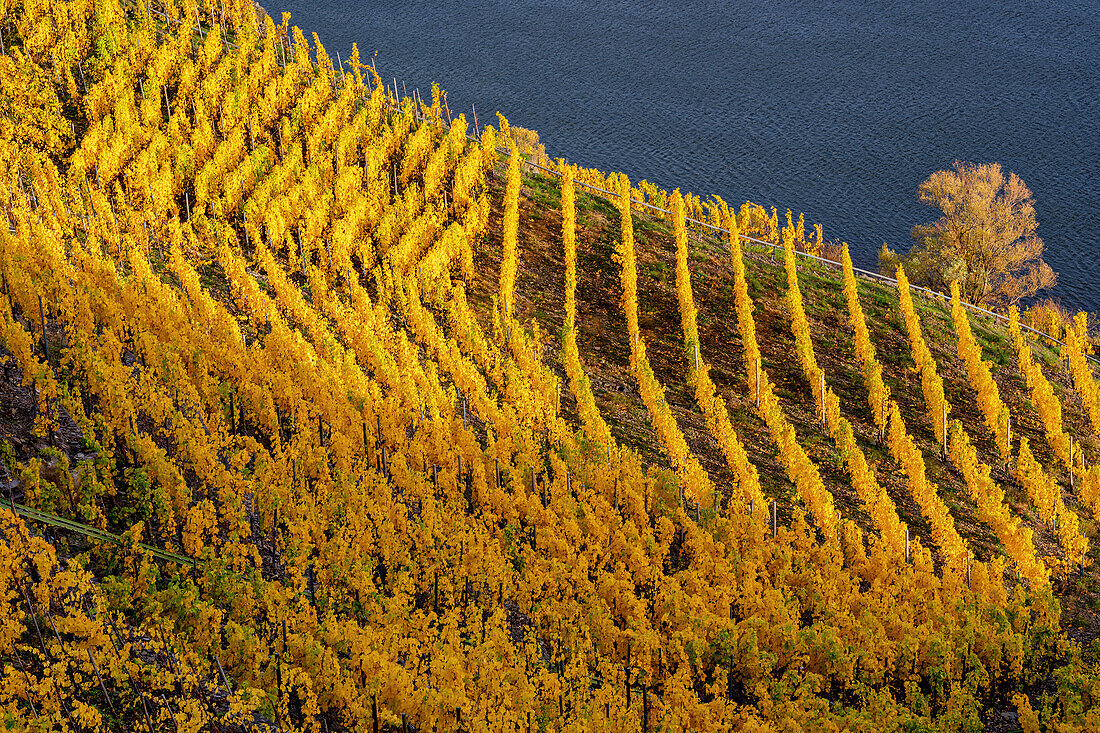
(605, 354)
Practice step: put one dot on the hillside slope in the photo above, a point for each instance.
(295, 438)
(605, 348)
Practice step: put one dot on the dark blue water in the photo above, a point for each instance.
(838, 109)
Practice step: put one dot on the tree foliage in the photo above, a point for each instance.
(242, 277)
(985, 238)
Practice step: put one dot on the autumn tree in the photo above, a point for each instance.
(985, 239)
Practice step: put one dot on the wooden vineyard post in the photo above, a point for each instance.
(42, 641)
(27, 692)
(943, 425)
(1071, 463)
(171, 715)
(775, 519)
(134, 686)
(201, 690)
(906, 544)
(100, 678)
(821, 389)
(882, 427)
(758, 382)
(45, 341)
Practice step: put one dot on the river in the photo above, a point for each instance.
(838, 109)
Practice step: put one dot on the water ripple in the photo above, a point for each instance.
(838, 109)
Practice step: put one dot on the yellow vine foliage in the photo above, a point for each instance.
(980, 377)
(684, 295)
(628, 273)
(694, 480)
(569, 245)
(930, 381)
(508, 262)
(1045, 493)
(800, 468)
(746, 326)
(718, 423)
(799, 323)
(578, 380)
(729, 218)
(1088, 488)
(875, 499)
(1083, 380)
(877, 392)
(1042, 393)
(924, 492)
(990, 501)
(340, 403)
(749, 496)
(696, 484)
(1029, 721)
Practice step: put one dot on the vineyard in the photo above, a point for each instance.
(327, 407)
